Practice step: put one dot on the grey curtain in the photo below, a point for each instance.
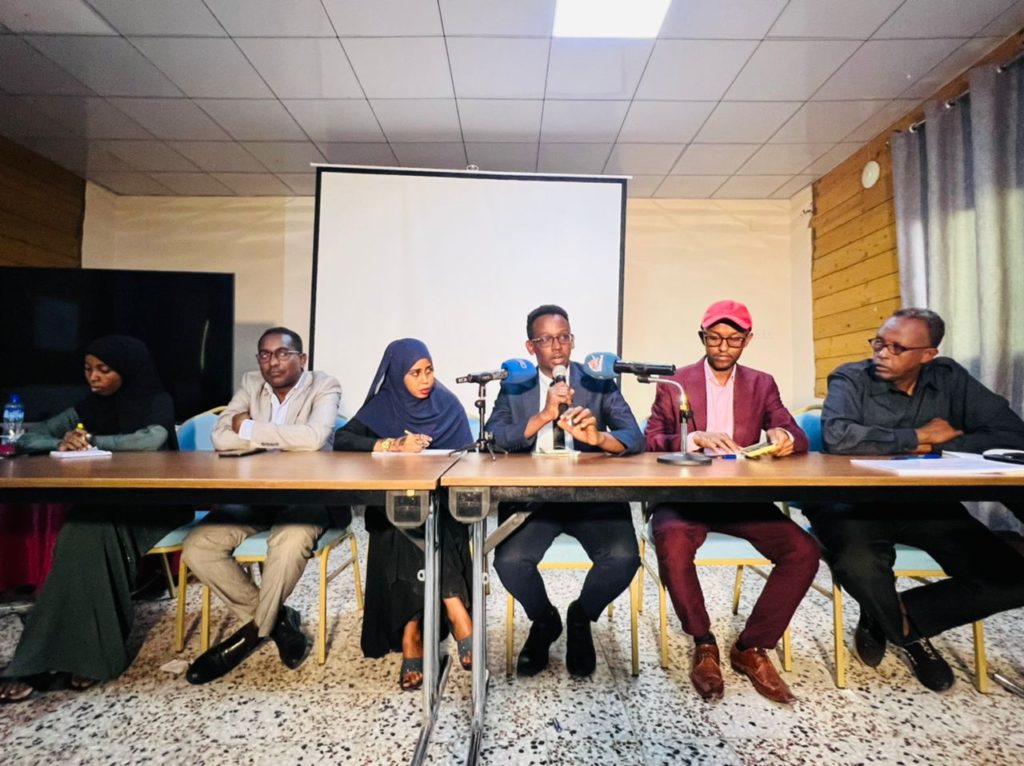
(959, 197)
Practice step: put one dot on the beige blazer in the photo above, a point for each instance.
(310, 419)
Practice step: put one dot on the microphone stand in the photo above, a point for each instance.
(685, 413)
(485, 439)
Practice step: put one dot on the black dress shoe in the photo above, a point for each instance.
(534, 656)
(929, 667)
(225, 656)
(291, 641)
(580, 658)
(869, 640)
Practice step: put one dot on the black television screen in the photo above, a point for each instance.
(186, 318)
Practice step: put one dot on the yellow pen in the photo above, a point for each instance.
(88, 436)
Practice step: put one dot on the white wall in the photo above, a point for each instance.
(680, 256)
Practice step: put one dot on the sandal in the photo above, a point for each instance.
(19, 694)
(465, 648)
(81, 683)
(410, 665)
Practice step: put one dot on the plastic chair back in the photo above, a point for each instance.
(810, 422)
(196, 433)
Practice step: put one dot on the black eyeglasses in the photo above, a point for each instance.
(877, 344)
(280, 354)
(711, 339)
(546, 340)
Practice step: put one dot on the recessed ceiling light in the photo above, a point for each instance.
(609, 18)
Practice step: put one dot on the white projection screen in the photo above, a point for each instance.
(458, 259)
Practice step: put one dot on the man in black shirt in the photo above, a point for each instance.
(907, 398)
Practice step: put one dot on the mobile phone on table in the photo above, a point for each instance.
(241, 452)
(1015, 457)
(754, 451)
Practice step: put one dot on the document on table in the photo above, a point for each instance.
(950, 464)
(426, 452)
(78, 454)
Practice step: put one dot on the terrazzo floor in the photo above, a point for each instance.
(351, 710)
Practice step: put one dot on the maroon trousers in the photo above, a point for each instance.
(680, 529)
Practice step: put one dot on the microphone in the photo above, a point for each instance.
(515, 371)
(604, 365)
(559, 375)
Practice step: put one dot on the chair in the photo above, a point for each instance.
(566, 553)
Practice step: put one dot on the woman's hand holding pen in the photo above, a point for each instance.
(76, 440)
(412, 442)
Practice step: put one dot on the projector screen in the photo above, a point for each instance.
(458, 259)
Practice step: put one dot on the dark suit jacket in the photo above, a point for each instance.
(517, 404)
(757, 407)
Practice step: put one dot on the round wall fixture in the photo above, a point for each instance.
(869, 176)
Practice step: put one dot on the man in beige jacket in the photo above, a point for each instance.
(281, 407)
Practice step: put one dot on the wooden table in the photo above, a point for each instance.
(598, 477)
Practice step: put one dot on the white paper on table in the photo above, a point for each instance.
(80, 453)
(950, 464)
(426, 452)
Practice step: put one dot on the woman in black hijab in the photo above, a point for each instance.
(78, 630)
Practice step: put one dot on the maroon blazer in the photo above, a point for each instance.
(757, 407)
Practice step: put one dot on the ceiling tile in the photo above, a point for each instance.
(253, 18)
(303, 184)
(78, 155)
(219, 156)
(405, 67)
(884, 68)
(649, 159)
(789, 70)
(822, 121)
(254, 184)
(523, 18)
(188, 18)
(108, 65)
(831, 158)
(384, 18)
(284, 156)
(792, 186)
(946, 70)
(336, 120)
(503, 157)
(500, 120)
(90, 117)
(694, 70)
(583, 121)
(591, 68)
(20, 119)
(498, 67)
(359, 154)
(713, 159)
(836, 19)
(147, 155)
(1008, 22)
(745, 122)
(193, 184)
(642, 186)
(750, 187)
(204, 67)
(730, 19)
(881, 120)
(416, 119)
(175, 118)
(303, 68)
(253, 119)
(672, 122)
(941, 18)
(26, 70)
(586, 159)
(431, 155)
(138, 184)
(689, 187)
(779, 159)
(59, 17)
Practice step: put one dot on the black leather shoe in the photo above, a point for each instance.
(291, 641)
(929, 667)
(580, 658)
(225, 656)
(534, 656)
(869, 640)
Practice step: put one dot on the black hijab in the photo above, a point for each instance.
(141, 400)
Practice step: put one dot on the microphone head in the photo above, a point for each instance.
(601, 365)
(519, 371)
(559, 371)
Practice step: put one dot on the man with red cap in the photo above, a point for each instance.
(731, 405)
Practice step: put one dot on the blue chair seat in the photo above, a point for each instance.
(716, 546)
(910, 558)
(176, 537)
(565, 550)
(255, 545)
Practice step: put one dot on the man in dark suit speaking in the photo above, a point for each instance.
(731, 406)
(564, 409)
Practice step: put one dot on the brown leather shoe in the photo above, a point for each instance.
(706, 672)
(755, 665)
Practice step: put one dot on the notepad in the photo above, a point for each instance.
(950, 464)
(80, 454)
(426, 452)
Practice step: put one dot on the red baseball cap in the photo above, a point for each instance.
(734, 311)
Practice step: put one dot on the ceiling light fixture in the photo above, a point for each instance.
(609, 18)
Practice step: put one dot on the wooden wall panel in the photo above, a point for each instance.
(42, 206)
(854, 272)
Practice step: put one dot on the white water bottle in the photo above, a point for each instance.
(14, 418)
